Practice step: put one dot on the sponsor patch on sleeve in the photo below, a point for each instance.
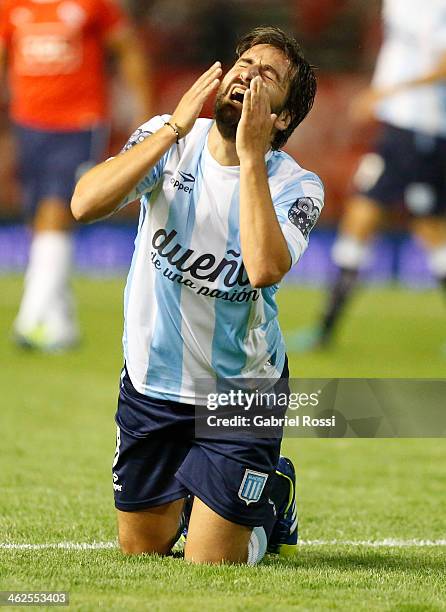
(304, 214)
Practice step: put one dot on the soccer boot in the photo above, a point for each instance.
(283, 539)
(180, 538)
(306, 340)
(39, 339)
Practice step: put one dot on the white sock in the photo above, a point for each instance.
(350, 253)
(437, 261)
(61, 320)
(46, 279)
(256, 546)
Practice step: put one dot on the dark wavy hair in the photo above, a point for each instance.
(302, 79)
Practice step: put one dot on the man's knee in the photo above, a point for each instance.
(53, 214)
(431, 231)
(213, 539)
(131, 545)
(149, 531)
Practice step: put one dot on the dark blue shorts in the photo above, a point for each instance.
(51, 162)
(158, 459)
(407, 167)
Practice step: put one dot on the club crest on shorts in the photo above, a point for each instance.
(252, 486)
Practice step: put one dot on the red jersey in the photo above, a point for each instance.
(56, 52)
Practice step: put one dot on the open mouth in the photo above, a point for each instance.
(237, 96)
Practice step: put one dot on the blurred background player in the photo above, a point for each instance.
(407, 95)
(55, 52)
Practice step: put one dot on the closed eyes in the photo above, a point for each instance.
(267, 71)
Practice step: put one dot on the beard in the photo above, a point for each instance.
(226, 117)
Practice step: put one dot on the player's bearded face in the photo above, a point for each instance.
(227, 110)
(226, 115)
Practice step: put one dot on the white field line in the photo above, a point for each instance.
(60, 545)
(386, 543)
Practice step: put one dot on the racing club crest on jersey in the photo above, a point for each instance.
(304, 214)
(252, 486)
(138, 136)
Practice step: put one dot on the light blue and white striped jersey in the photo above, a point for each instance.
(190, 312)
(414, 41)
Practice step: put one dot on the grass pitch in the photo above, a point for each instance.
(57, 441)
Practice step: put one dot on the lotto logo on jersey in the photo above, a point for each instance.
(50, 48)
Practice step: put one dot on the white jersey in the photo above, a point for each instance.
(414, 41)
(190, 312)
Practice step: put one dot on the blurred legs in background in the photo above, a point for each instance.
(350, 253)
(407, 167)
(49, 164)
(431, 232)
(46, 319)
(59, 107)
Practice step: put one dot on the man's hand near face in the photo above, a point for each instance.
(265, 252)
(254, 132)
(191, 104)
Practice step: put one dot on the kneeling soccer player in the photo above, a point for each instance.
(224, 214)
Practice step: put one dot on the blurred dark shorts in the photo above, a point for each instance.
(406, 167)
(50, 162)
(159, 459)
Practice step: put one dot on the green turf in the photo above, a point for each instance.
(57, 440)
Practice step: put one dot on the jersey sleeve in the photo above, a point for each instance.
(298, 208)
(151, 179)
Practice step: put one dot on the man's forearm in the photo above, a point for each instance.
(435, 76)
(100, 191)
(264, 249)
(136, 70)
